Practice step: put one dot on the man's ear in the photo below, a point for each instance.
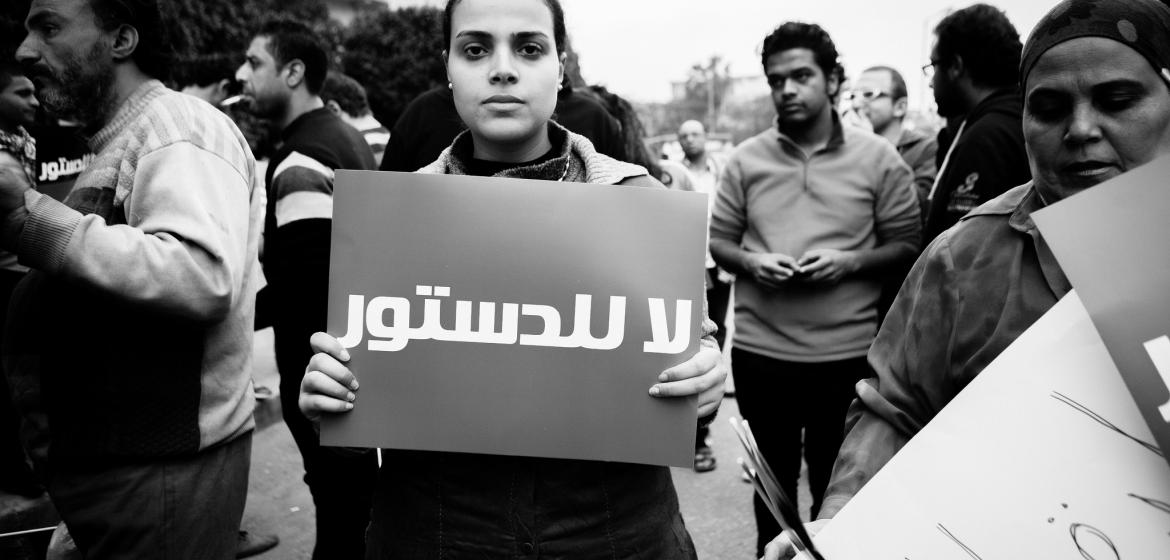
(900, 107)
(832, 84)
(125, 42)
(295, 73)
(956, 68)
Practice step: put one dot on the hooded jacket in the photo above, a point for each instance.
(988, 159)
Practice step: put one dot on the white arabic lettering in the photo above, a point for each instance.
(393, 335)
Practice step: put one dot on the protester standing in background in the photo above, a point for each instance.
(282, 76)
(972, 72)
(807, 215)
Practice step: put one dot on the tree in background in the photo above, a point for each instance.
(706, 88)
(396, 55)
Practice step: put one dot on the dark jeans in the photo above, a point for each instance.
(779, 399)
(170, 509)
(341, 481)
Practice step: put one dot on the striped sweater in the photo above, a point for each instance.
(132, 336)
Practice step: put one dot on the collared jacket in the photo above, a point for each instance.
(976, 288)
(456, 505)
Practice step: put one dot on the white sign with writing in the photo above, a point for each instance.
(1043, 455)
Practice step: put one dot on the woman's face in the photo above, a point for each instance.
(504, 70)
(1093, 109)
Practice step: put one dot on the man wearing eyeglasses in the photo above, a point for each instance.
(880, 98)
(972, 71)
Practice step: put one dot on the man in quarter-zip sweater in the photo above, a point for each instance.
(808, 214)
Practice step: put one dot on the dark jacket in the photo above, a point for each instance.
(296, 254)
(987, 160)
(430, 123)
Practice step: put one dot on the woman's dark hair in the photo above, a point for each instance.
(632, 130)
(156, 48)
(798, 35)
(554, 6)
(987, 42)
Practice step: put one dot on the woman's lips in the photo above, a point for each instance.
(1088, 168)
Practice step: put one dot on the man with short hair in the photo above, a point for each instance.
(807, 214)
(131, 366)
(703, 169)
(346, 98)
(880, 97)
(282, 76)
(972, 70)
(207, 76)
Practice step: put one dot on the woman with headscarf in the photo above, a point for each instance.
(1096, 83)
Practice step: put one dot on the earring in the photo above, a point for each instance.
(450, 85)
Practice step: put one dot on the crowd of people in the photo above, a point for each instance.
(876, 267)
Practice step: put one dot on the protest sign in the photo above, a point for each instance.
(1043, 455)
(515, 317)
(1110, 241)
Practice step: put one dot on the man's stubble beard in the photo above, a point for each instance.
(83, 90)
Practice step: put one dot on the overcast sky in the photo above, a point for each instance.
(638, 47)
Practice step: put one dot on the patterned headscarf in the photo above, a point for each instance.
(1143, 25)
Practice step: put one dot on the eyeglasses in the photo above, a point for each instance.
(866, 94)
(928, 69)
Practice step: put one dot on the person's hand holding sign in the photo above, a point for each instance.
(330, 387)
(781, 547)
(702, 375)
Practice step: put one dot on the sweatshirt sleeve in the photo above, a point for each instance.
(729, 213)
(911, 357)
(182, 249)
(896, 214)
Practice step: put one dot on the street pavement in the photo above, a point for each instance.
(716, 505)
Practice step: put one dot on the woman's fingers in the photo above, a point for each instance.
(321, 393)
(322, 342)
(701, 375)
(334, 369)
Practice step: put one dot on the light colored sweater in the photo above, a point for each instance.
(854, 194)
(154, 252)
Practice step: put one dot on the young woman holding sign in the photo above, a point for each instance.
(505, 61)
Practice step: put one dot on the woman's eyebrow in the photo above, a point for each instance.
(480, 35)
(523, 35)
